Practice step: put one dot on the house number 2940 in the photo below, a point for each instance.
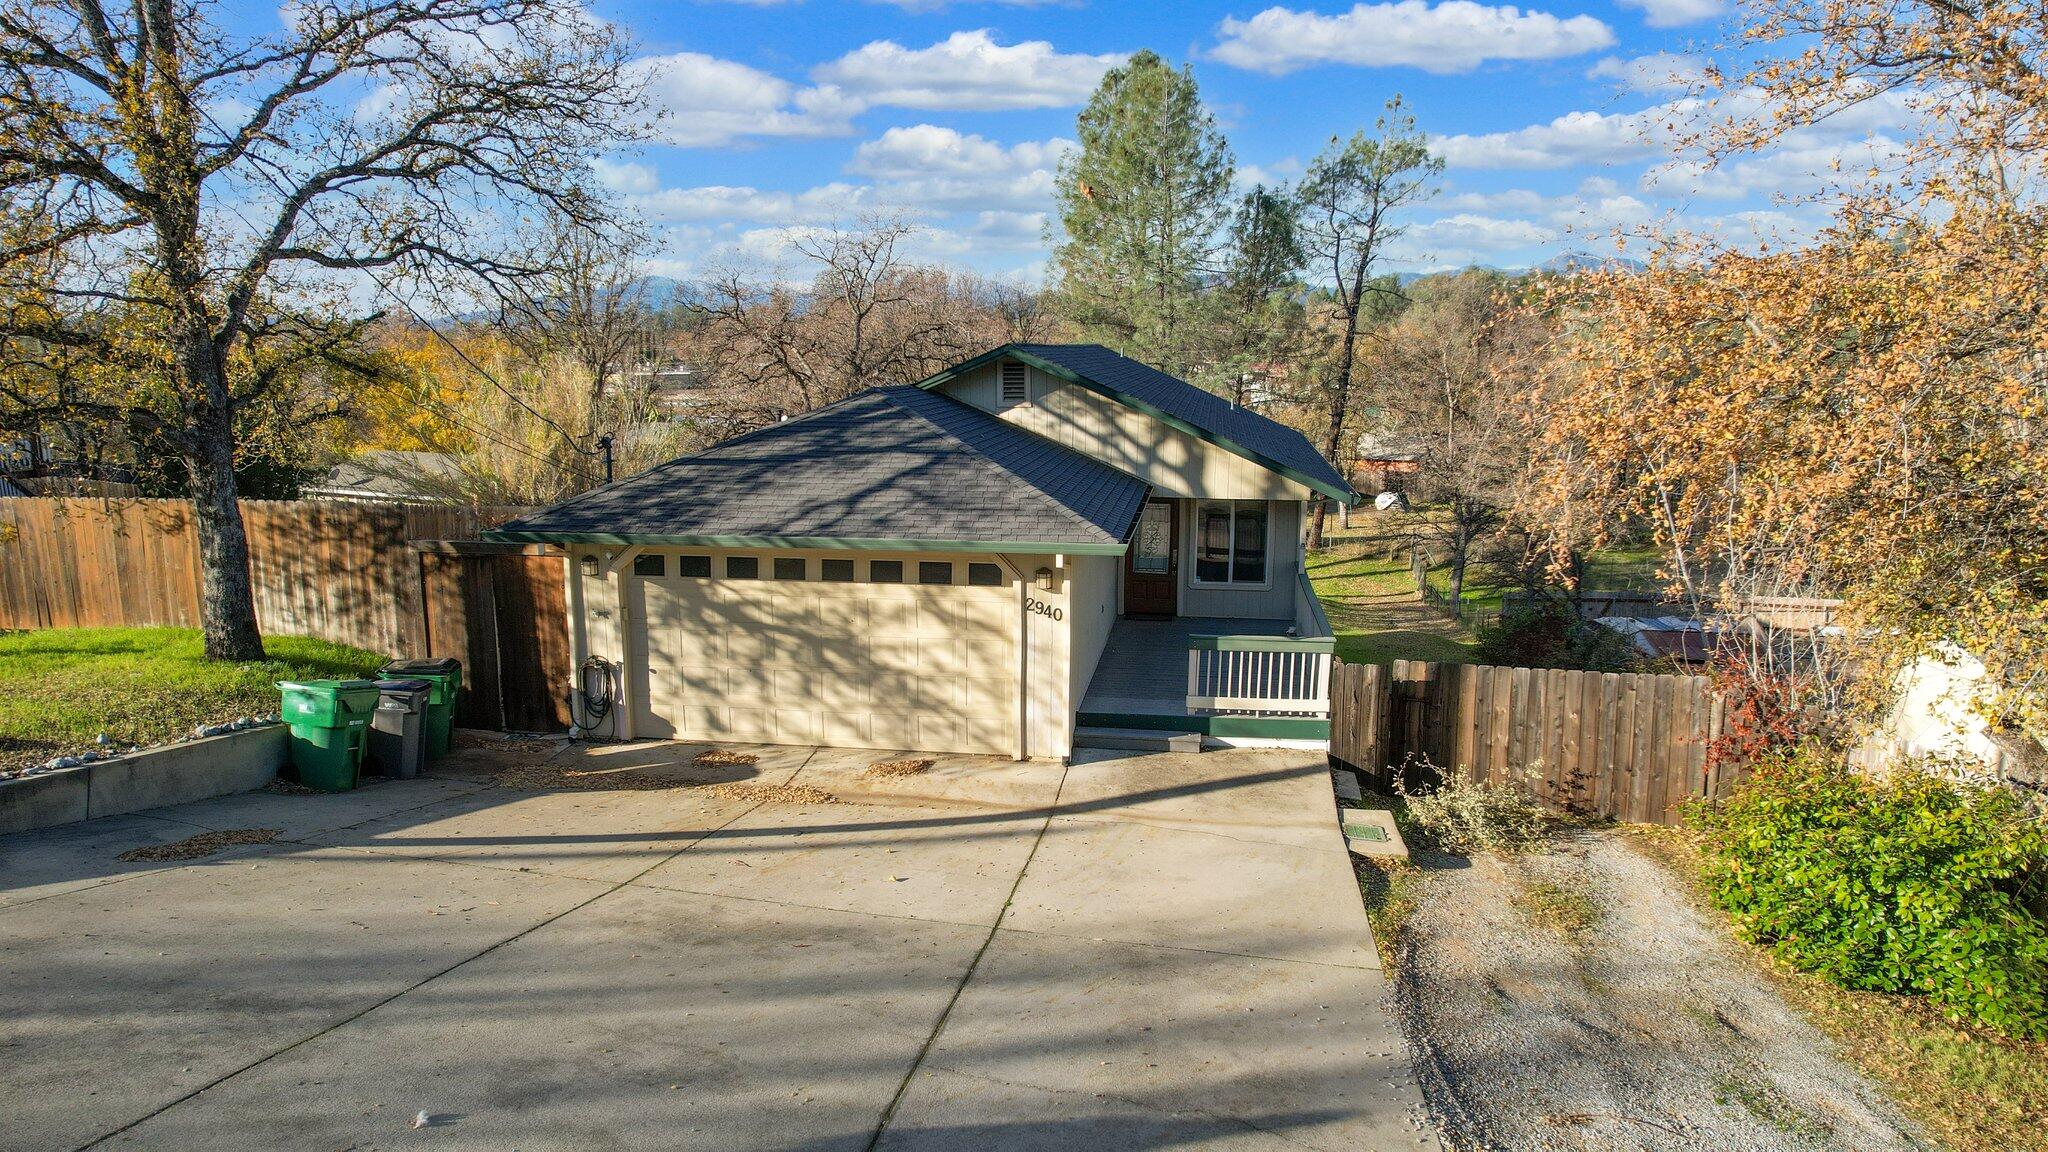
(1034, 604)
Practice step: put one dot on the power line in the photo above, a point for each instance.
(462, 355)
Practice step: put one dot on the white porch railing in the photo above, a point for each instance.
(1266, 674)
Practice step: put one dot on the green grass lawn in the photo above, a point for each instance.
(60, 689)
(1371, 602)
(1374, 613)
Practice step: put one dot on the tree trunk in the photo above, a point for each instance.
(227, 605)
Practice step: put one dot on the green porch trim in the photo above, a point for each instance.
(1245, 727)
(1262, 643)
(1011, 351)
(822, 543)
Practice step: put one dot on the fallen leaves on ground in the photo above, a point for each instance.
(773, 793)
(204, 844)
(528, 778)
(886, 768)
(722, 756)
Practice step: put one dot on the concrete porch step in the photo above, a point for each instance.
(1137, 739)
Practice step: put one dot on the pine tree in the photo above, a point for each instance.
(1142, 205)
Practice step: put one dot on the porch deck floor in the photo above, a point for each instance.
(1144, 667)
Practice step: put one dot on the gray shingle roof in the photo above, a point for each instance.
(1256, 437)
(890, 464)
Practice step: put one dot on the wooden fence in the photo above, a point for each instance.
(370, 575)
(1600, 744)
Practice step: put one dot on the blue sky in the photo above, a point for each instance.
(786, 116)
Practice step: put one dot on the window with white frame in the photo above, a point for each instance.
(1231, 539)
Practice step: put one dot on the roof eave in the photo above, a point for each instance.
(1342, 493)
(822, 543)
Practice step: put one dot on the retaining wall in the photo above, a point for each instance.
(152, 778)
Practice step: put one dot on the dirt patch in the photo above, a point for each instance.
(204, 844)
(885, 769)
(773, 793)
(1576, 999)
(719, 756)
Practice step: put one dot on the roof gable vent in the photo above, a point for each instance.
(1016, 386)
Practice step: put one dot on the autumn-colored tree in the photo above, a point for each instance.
(1451, 371)
(1862, 418)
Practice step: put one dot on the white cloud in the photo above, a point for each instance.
(719, 203)
(1573, 138)
(1271, 175)
(708, 102)
(928, 166)
(625, 176)
(967, 71)
(1451, 36)
(927, 149)
(1672, 13)
(1655, 74)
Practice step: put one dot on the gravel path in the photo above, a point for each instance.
(1576, 1000)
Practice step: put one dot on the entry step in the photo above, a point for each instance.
(1137, 739)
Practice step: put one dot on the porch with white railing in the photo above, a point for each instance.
(1221, 677)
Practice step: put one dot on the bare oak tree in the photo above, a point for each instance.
(865, 317)
(158, 164)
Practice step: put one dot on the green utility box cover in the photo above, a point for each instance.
(1371, 832)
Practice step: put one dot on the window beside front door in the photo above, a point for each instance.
(1231, 540)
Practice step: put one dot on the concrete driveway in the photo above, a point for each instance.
(1144, 952)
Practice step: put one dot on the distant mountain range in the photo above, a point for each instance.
(1564, 264)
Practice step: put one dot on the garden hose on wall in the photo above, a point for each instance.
(597, 687)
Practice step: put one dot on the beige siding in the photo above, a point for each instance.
(1274, 600)
(1173, 461)
(1093, 595)
(913, 666)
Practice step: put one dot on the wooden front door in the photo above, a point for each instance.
(1152, 564)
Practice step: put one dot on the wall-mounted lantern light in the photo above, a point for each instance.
(589, 564)
(1044, 579)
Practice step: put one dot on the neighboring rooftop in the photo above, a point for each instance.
(887, 466)
(386, 475)
(1257, 438)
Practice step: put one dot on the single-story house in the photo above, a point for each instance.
(1046, 544)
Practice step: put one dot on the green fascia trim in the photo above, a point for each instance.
(1246, 727)
(1263, 643)
(822, 543)
(1342, 495)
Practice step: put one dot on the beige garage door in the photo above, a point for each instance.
(930, 667)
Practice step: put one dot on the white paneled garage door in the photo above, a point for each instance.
(913, 666)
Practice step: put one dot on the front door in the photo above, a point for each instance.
(1149, 565)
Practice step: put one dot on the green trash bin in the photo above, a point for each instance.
(445, 674)
(330, 723)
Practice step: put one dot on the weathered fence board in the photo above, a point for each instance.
(349, 572)
(1614, 746)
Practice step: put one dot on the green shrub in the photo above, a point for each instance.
(1463, 817)
(1908, 883)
